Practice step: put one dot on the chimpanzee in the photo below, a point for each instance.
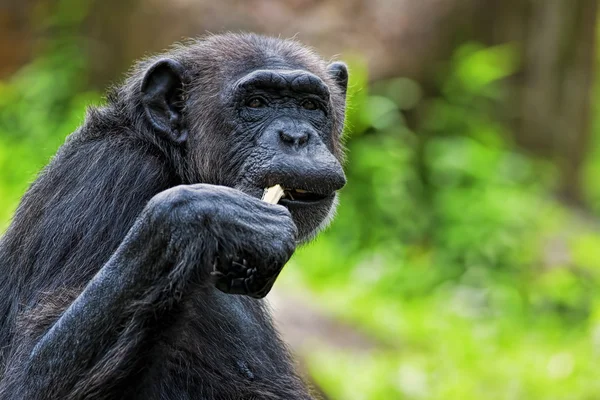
(136, 263)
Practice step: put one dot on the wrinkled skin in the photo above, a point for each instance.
(135, 265)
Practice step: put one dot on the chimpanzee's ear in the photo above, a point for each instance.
(162, 98)
(338, 71)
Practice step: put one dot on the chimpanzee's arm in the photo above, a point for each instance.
(184, 235)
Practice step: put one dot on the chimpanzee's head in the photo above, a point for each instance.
(250, 112)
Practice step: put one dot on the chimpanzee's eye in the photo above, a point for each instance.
(255, 102)
(309, 105)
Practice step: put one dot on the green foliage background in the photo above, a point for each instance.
(449, 249)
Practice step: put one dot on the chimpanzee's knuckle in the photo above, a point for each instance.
(288, 231)
(291, 228)
(200, 187)
(171, 205)
(283, 249)
(281, 210)
(218, 193)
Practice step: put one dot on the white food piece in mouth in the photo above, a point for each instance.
(273, 194)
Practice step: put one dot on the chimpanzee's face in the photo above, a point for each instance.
(267, 116)
(283, 119)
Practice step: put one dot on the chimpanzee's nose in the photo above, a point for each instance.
(294, 138)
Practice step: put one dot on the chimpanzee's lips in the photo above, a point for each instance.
(303, 197)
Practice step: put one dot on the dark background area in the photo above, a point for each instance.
(465, 257)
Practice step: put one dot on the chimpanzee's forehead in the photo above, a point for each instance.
(241, 54)
(270, 60)
(271, 65)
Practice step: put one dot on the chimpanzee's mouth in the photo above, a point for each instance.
(302, 196)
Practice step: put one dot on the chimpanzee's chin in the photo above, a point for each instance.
(310, 220)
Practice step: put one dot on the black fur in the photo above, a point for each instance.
(120, 270)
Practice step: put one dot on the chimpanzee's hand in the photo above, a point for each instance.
(245, 241)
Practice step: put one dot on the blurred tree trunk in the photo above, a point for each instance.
(16, 35)
(553, 93)
(558, 83)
